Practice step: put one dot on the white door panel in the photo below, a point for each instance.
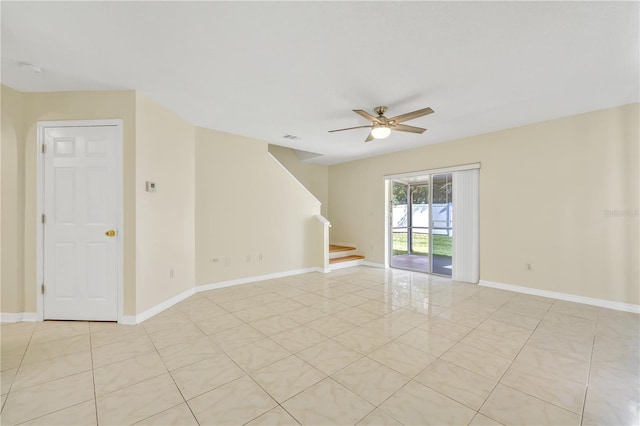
(80, 203)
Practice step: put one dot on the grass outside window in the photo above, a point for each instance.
(441, 244)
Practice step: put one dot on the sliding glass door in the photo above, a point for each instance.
(421, 224)
(442, 224)
(410, 226)
(400, 240)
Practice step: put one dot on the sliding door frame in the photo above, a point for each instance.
(389, 181)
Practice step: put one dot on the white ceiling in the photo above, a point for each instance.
(268, 69)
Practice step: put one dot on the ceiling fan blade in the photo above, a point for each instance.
(369, 138)
(366, 115)
(405, 128)
(348, 128)
(411, 115)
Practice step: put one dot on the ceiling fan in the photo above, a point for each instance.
(381, 126)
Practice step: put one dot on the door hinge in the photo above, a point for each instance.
(42, 288)
(43, 218)
(44, 148)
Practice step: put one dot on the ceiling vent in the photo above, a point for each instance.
(292, 137)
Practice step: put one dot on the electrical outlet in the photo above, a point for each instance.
(529, 267)
(215, 260)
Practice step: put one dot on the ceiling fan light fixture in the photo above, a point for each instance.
(381, 132)
(381, 126)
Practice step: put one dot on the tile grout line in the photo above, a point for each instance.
(526, 393)
(292, 354)
(439, 357)
(593, 347)
(93, 374)
(24, 354)
(429, 316)
(184, 400)
(287, 411)
(49, 381)
(245, 372)
(511, 364)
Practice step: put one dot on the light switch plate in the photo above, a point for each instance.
(151, 186)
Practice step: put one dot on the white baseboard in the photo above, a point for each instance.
(347, 264)
(127, 320)
(137, 319)
(603, 303)
(29, 316)
(352, 263)
(163, 306)
(246, 280)
(10, 317)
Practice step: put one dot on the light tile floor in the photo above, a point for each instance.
(357, 346)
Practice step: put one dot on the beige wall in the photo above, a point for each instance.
(165, 219)
(545, 190)
(81, 106)
(64, 106)
(314, 177)
(247, 205)
(268, 213)
(12, 201)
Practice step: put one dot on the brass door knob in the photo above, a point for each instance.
(110, 233)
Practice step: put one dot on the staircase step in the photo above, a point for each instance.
(335, 248)
(345, 259)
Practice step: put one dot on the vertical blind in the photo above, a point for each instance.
(466, 237)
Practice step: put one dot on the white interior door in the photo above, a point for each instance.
(81, 199)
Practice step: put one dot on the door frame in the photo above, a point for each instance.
(389, 222)
(42, 125)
